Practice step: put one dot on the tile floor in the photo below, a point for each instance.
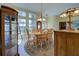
(21, 50)
(21, 44)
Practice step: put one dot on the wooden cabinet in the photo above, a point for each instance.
(9, 31)
(66, 43)
(60, 44)
(70, 44)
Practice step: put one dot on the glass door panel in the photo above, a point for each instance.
(13, 19)
(7, 18)
(14, 27)
(14, 30)
(7, 31)
(14, 38)
(7, 26)
(7, 39)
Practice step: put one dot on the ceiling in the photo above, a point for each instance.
(49, 9)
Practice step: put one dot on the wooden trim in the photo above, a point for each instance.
(17, 33)
(6, 7)
(2, 34)
(10, 45)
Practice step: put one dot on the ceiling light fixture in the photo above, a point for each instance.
(77, 11)
(70, 13)
(41, 15)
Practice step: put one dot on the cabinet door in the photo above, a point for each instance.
(14, 35)
(10, 35)
(60, 44)
(7, 30)
(70, 44)
(76, 44)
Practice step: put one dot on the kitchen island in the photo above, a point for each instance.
(66, 43)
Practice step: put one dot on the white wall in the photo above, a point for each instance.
(53, 22)
(66, 19)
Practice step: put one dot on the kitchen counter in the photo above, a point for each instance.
(69, 31)
(66, 43)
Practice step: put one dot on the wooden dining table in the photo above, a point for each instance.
(41, 37)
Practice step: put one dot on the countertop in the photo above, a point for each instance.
(69, 31)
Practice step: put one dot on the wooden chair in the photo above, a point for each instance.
(50, 37)
(32, 40)
(42, 40)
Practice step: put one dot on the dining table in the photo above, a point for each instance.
(41, 37)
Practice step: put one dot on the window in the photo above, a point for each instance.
(22, 14)
(21, 21)
(22, 24)
(32, 21)
(32, 15)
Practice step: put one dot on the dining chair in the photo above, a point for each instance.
(31, 39)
